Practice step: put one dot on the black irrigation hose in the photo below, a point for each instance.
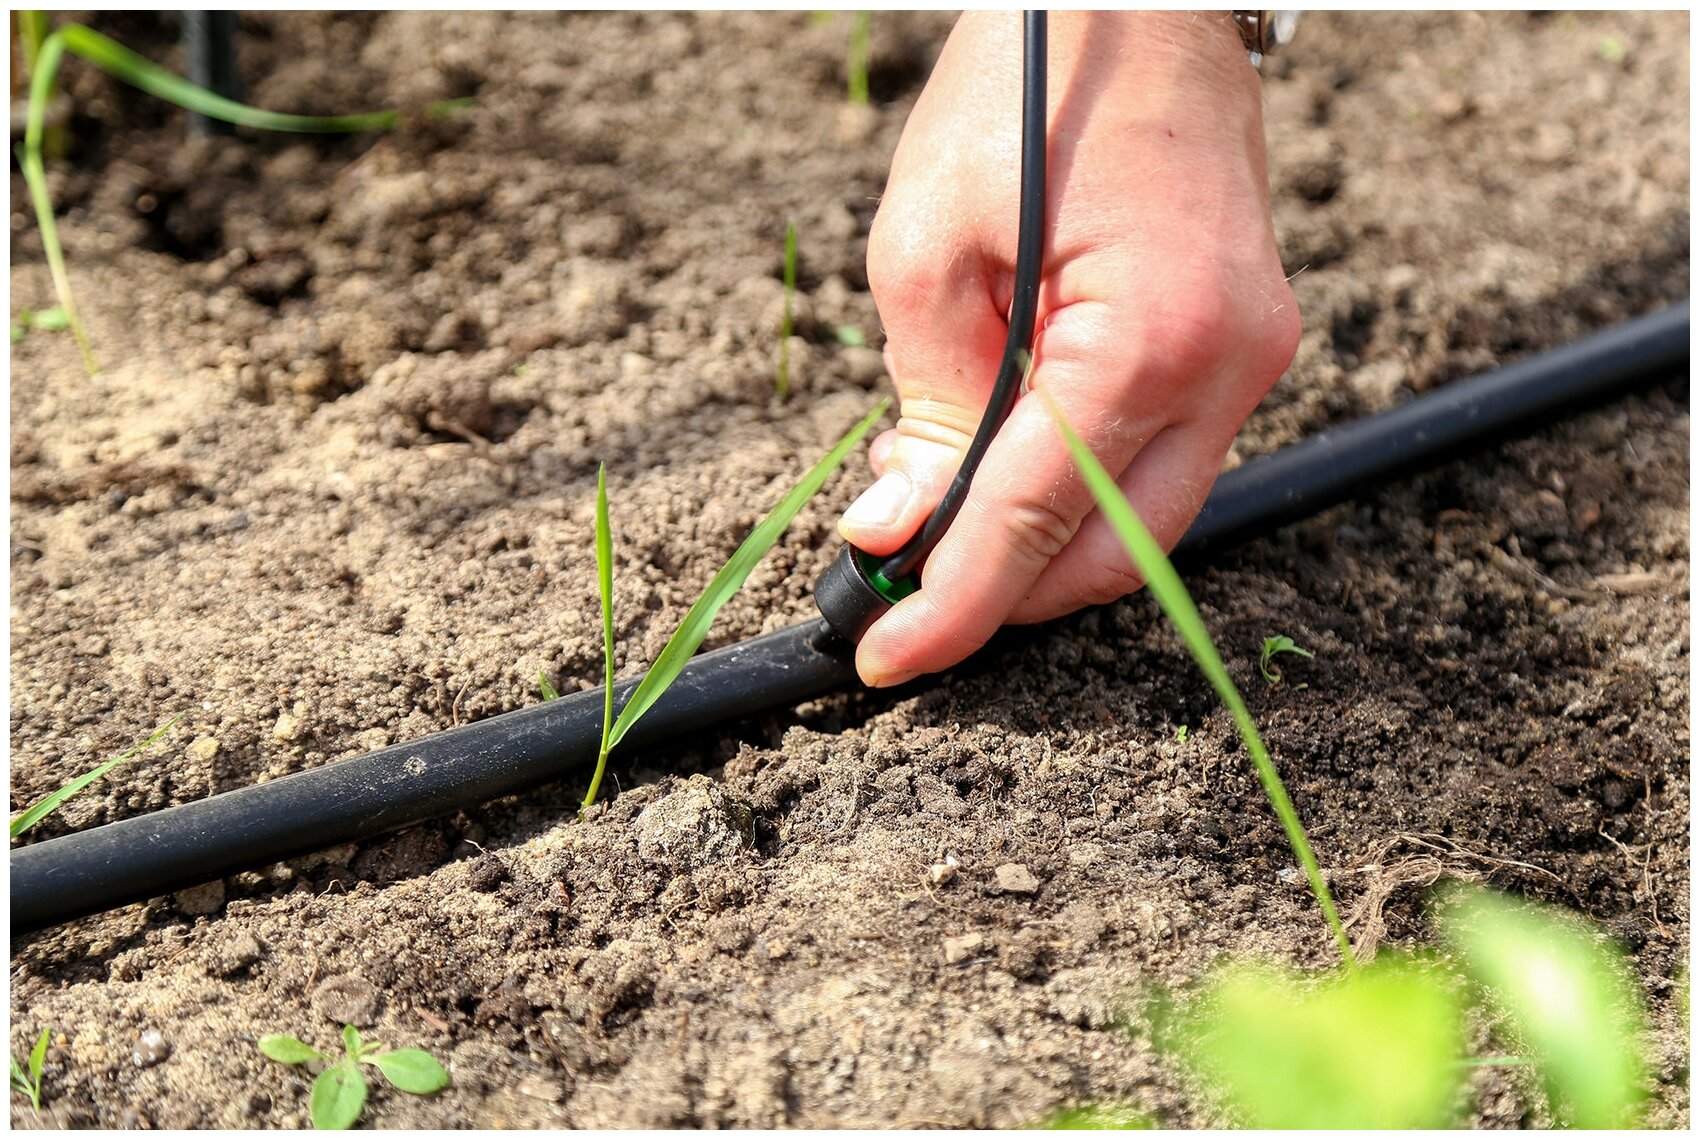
(1023, 310)
(150, 855)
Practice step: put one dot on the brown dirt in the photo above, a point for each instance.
(334, 490)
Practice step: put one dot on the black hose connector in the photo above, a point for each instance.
(853, 593)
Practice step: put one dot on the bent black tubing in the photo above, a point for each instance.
(149, 855)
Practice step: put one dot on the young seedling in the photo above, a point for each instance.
(1165, 585)
(28, 1082)
(782, 377)
(676, 654)
(1273, 646)
(850, 336)
(124, 64)
(543, 686)
(49, 804)
(339, 1092)
(1180, 734)
(861, 33)
(47, 320)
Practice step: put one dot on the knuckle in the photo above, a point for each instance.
(1037, 531)
(1111, 581)
(1190, 332)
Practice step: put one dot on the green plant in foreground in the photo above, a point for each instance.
(1165, 585)
(49, 804)
(544, 686)
(339, 1092)
(1273, 646)
(124, 64)
(676, 654)
(782, 376)
(29, 1082)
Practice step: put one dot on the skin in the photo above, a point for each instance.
(1164, 314)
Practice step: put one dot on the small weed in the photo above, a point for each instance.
(339, 1092)
(676, 654)
(782, 376)
(49, 804)
(543, 686)
(28, 1082)
(850, 336)
(861, 33)
(1180, 735)
(1272, 646)
(1611, 49)
(123, 64)
(47, 320)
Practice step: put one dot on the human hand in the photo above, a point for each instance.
(1164, 315)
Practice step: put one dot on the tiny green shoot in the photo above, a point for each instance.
(782, 376)
(33, 815)
(850, 336)
(1180, 734)
(1277, 645)
(1165, 585)
(605, 591)
(861, 29)
(339, 1092)
(677, 653)
(1611, 49)
(544, 686)
(47, 320)
(124, 64)
(28, 1081)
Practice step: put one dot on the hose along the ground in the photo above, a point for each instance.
(365, 796)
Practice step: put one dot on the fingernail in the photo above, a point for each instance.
(892, 680)
(881, 504)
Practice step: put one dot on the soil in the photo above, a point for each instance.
(334, 486)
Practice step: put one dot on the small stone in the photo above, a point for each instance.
(777, 949)
(960, 949)
(202, 749)
(288, 727)
(150, 1050)
(942, 873)
(234, 955)
(204, 899)
(348, 999)
(1016, 879)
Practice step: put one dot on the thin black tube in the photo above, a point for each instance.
(149, 855)
(1023, 310)
(209, 44)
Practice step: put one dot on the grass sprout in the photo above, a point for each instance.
(49, 804)
(26, 1077)
(782, 376)
(546, 687)
(339, 1092)
(123, 64)
(1165, 585)
(680, 648)
(1272, 646)
(47, 320)
(856, 63)
(605, 592)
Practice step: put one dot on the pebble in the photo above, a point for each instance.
(204, 899)
(235, 955)
(151, 1049)
(695, 824)
(347, 999)
(960, 949)
(1016, 879)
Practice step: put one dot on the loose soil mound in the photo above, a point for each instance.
(333, 490)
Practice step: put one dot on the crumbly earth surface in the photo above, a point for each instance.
(333, 489)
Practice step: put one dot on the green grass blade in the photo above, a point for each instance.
(33, 30)
(42, 76)
(861, 30)
(49, 804)
(1569, 998)
(605, 590)
(120, 62)
(691, 632)
(1165, 585)
(782, 379)
(38, 1059)
(544, 686)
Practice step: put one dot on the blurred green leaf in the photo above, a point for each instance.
(1099, 1117)
(289, 1050)
(412, 1070)
(1378, 1049)
(51, 320)
(850, 336)
(1567, 994)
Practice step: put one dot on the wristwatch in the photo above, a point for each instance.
(1264, 33)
